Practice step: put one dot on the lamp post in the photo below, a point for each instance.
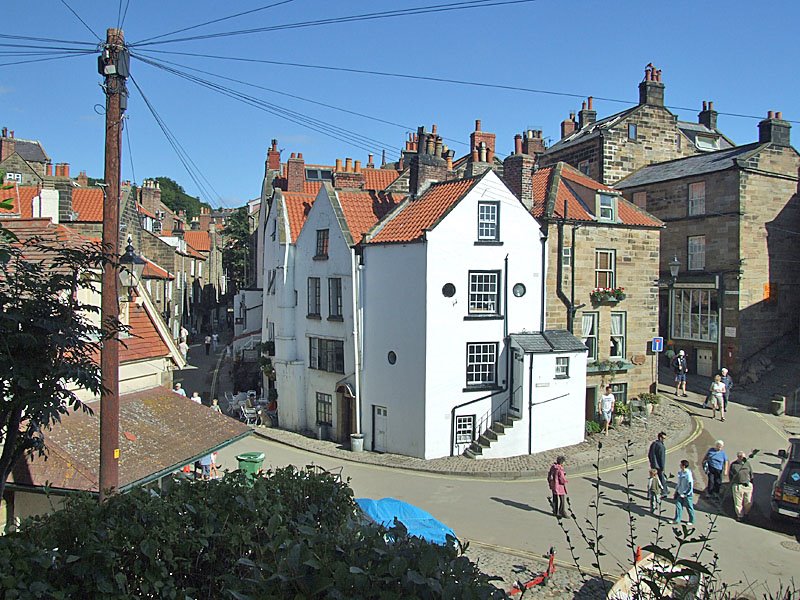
(131, 268)
(674, 268)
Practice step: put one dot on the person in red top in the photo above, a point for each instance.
(557, 480)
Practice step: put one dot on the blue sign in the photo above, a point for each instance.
(658, 344)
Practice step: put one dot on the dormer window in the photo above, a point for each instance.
(606, 207)
(706, 142)
(488, 221)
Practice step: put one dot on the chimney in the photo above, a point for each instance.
(295, 173)
(338, 166)
(518, 170)
(370, 164)
(83, 180)
(7, 146)
(588, 114)
(65, 169)
(48, 169)
(58, 170)
(426, 167)
(533, 142)
(651, 90)
(274, 157)
(351, 178)
(5, 131)
(774, 130)
(708, 116)
(150, 196)
(568, 125)
(478, 137)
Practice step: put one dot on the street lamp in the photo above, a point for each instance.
(131, 268)
(674, 268)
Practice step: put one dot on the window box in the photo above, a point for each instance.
(607, 295)
(607, 366)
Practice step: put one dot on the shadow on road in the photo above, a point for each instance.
(520, 505)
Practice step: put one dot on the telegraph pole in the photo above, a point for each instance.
(113, 64)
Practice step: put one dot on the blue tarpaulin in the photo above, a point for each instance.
(417, 521)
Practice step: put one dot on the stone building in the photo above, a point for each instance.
(614, 147)
(596, 239)
(732, 219)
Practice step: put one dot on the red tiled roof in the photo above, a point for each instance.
(88, 203)
(21, 199)
(160, 431)
(146, 212)
(363, 209)
(544, 179)
(193, 253)
(153, 271)
(145, 341)
(379, 179)
(418, 215)
(199, 240)
(297, 207)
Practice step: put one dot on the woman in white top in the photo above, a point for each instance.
(717, 390)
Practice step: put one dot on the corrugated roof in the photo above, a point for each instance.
(414, 217)
(551, 340)
(558, 182)
(297, 208)
(699, 164)
(363, 209)
(199, 240)
(88, 203)
(166, 431)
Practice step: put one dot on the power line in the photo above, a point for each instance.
(48, 40)
(23, 62)
(247, 12)
(180, 151)
(124, 13)
(77, 16)
(339, 133)
(437, 8)
(498, 86)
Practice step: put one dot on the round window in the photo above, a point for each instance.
(519, 290)
(448, 290)
(392, 357)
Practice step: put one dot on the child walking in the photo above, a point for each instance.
(654, 490)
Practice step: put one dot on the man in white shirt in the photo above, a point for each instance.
(178, 389)
(607, 401)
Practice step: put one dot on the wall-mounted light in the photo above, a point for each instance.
(674, 268)
(131, 268)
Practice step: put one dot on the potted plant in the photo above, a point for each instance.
(622, 411)
(601, 294)
(652, 400)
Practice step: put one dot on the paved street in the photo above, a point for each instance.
(509, 521)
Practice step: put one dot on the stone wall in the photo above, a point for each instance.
(637, 259)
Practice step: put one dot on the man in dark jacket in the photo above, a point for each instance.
(657, 455)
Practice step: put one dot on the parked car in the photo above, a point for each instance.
(786, 491)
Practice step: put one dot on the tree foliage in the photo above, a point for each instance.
(236, 253)
(176, 198)
(49, 342)
(290, 534)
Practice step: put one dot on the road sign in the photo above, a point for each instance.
(657, 344)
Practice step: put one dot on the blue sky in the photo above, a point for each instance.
(741, 55)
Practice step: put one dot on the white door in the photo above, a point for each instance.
(380, 421)
(705, 366)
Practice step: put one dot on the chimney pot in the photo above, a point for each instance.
(48, 169)
(300, 155)
(705, 107)
(477, 124)
(770, 114)
(710, 105)
(369, 160)
(433, 128)
(274, 144)
(583, 105)
(449, 162)
(5, 131)
(779, 115)
(357, 168)
(518, 144)
(348, 165)
(591, 102)
(293, 155)
(338, 166)
(12, 133)
(475, 155)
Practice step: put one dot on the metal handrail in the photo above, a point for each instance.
(485, 422)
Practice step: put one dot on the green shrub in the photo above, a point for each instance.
(292, 533)
(592, 427)
(650, 398)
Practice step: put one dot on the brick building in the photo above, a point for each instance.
(732, 221)
(596, 239)
(614, 147)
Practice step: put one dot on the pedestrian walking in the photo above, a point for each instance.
(184, 348)
(196, 398)
(715, 463)
(684, 493)
(717, 397)
(557, 480)
(178, 389)
(655, 491)
(607, 402)
(680, 367)
(657, 455)
(214, 341)
(726, 378)
(741, 478)
(207, 343)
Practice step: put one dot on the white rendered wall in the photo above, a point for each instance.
(452, 253)
(394, 320)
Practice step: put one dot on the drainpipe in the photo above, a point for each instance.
(505, 299)
(543, 239)
(560, 270)
(355, 291)
(571, 316)
(720, 307)
(530, 404)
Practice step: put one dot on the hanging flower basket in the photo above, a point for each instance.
(600, 295)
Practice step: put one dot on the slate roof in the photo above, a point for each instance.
(413, 217)
(362, 210)
(551, 340)
(88, 203)
(160, 431)
(557, 184)
(199, 240)
(692, 130)
(699, 164)
(591, 131)
(30, 150)
(297, 206)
